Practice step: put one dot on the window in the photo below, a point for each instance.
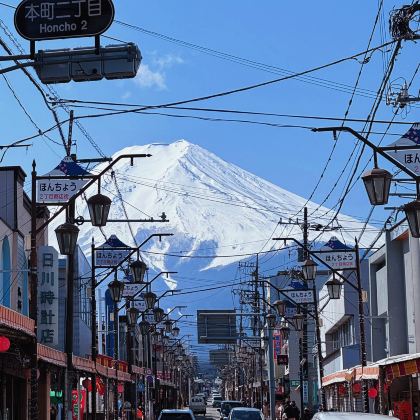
(341, 337)
(47, 260)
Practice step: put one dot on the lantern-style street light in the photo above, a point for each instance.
(99, 206)
(165, 340)
(280, 306)
(309, 269)
(150, 299)
(67, 234)
(284, 332)
(159, 314)
(175, 331)
(168, 326)
(116, 289)
(334, 288)
(138, 269)
(132, 316)
(299, 318)
(271, 320)
(412, 212)
(144, 327)
(377, 183)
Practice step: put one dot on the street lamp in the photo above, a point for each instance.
(159, 314)
(144, 327)
(138, 268)
(175, 331)
(271, 320)
(334, 288)
(168, 326)
(165, 340)
(150, 299)
(309, 270)
(299, 318)
(377, 183)
(132, 316)
(99, 206)
(67, 234)
(116, 289)
(280, 306)
(285, 332)
(412, 212)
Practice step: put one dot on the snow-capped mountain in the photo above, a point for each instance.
(214, 208)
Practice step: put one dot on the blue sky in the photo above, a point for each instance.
(283, 34)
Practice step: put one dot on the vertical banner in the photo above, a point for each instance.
(78, 402)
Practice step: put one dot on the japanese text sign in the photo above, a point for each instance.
(130, 289)
(409, 158)
(37, 20)
(300, 296)
(108, 257)
(338, 260)
(48, 296)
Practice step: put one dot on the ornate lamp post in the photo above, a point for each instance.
(138, 269)
(99, 206)
(309, 270)
(334, 288)
(67, 235)
(116, 289)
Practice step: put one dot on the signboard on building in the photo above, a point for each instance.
(305, 392)
(51, 190)
(337, 255)
(282, 359)
(78, 402)
(111, 253)
(139, 303)
(37, 20)
(48, 296)
(277, 342)
(149, 317)
(300, 296)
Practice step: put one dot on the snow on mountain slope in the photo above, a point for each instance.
(213, 207)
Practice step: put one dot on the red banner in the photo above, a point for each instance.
(76, 405)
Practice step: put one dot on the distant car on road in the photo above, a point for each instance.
(339, 415)
(198, 405)
(176, 415)
(226, 406)
(217, 401)
(245, 413)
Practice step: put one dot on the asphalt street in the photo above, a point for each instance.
(211, 414)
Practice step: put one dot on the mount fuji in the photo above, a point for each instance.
(218, 213)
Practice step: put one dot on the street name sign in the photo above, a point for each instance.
(300, 296)
(140, 303)
(337, 255)
(130, 289)
(111, 253)
(53, 190)
(37, 20)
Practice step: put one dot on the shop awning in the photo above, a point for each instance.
(85, 365)
(52, 356)
(401, 365)
(354, 374)
(16, 321)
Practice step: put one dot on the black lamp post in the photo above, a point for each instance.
(150, 299)
(377, 183)
(138, 269)
(99, 206)
(412, 212)
(165, 340)
(116, 289)
(309, 270)
(144, 328)
(334, 288)
(67, 234)
(280, 306)
(132, 316)
(159, 314)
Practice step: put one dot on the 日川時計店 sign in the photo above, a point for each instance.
(37, 20)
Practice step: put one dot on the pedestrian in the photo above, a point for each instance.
(279, 410)
(296, 410)
(291, 411)
(307, 414)
(139, 413)
(266, 409)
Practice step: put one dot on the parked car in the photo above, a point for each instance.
(245, 413)
(198, 405)
(226, 406)
(217, 401)
(339, 415)
(176, 415)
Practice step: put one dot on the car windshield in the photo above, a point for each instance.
(227, 406)
(175, 416)
(246, 415)
(217, 398)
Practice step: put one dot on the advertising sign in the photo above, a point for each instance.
(78, 402)
(56, 191)
(277, 342)
(37, 20)
(282, 359)
(48, 296)
(305, 392)
(300, 296)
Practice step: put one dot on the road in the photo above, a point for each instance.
(211, 414)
